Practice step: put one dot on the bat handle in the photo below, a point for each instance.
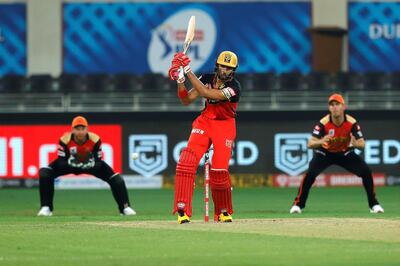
(181, 73)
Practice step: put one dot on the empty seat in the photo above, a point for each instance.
(128, 82)
(392, 81)
(320, 81)
(290, 81)
(155, 82)
(39, 83)
(72, 83)
(12, 83)
(100, 83)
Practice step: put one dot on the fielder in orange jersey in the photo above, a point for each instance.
(79, 152)
(334, 139)
(215, 125)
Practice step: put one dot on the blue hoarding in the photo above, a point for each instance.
(142, 37)
(374, 36)
(12, 39)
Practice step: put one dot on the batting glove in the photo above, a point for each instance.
(173, 73)
(183, 59)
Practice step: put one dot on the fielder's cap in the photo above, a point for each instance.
(79, 121)
(336, 97)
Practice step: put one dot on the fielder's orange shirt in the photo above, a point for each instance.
(341, 135)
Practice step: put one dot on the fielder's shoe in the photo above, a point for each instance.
(376, 209)
(45, 211)
(295, 209)
(128, 211)
(225, 217)
(183, 218)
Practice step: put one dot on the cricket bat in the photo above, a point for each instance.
(188, 39)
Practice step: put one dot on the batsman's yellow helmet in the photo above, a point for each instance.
(227, 58)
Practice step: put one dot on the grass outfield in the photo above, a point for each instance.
(335, 229)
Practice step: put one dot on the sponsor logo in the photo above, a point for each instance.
(197, 131)
(381, 151)
(152, 150)
(229, 143)
(169, 36)
(393, 181)
(384, 31)
(244, 153)
(282, 180)
(291, 153)
(326, 180)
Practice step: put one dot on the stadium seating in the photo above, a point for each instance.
(125, 82)
(261, 91)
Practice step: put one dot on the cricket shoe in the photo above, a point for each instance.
(376, 209)
(45, 211)
(225, 217)
(183, 218)
(128, 211)
(295, 209)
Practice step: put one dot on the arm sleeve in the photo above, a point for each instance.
(63, 154)
(97, 154)
(356, 131)
(62, 150)
(319, 131)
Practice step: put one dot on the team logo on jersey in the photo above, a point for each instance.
(73, 150)
(152, 150)
(291, 153)
(331, 132)
(316, 130)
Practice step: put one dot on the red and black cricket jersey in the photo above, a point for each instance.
(340, 134)
(91, 147)
(225, 109)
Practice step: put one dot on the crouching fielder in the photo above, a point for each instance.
(79, 152)
(215, 125)
(334, 139)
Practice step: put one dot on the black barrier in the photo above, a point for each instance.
(267, 142)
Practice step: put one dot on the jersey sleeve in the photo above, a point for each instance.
(356, 131)
(232, 92)
(97, 151)
(62, 150)
(319, 131)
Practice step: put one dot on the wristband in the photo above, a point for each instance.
(187, 69)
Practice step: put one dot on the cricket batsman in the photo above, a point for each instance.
(215, 125)
(79, 152)
(334, 139)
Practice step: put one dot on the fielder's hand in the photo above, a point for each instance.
(325, 141)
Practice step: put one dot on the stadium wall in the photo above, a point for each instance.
(270, 148)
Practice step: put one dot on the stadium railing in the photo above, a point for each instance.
(154, 92)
